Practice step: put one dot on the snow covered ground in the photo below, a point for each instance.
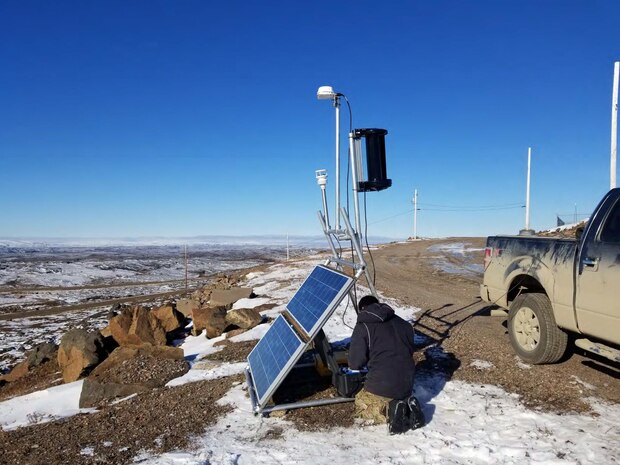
(71, 272)
(19, 336)
(467, 423)
(462, 251)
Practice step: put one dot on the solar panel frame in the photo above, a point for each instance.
(327, 299)
(265, 383)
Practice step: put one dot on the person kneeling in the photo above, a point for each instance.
(383, 342)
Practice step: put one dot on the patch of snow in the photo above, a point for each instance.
(42, 406)
(481, 364)
(454, 248)
(255, 333)
(250, 303)
(567, 226)
(520, 364)
(88, 451)
(583, 383)
(226, 369)
(123, 399)
(197, 347)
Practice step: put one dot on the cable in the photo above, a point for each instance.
(345, 312)
(350, 112)
(442, 210)
(468, 209)
(393, 216)
(513, 204)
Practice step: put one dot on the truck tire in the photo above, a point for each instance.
(534, 334)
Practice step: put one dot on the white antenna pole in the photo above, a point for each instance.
(614, 126)
(337, 106)
(287, 252)
(415, 214)
(527, 194)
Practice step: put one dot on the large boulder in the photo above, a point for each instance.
(18, 371)
(229, 296)
(137, 325)
(119, 326)
(130, 370)
(169, 318)
(186, 306)
(79, 352)
(213, 319)
(40, 354)
(146, 328)
(106, 332)
(245, 318)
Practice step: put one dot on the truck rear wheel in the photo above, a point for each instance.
(533, 332)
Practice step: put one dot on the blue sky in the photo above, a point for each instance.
(182, 118)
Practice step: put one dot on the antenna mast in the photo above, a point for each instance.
(614, 127)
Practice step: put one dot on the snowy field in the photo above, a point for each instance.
(49, 275)
(467, 424)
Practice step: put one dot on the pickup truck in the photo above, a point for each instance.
(556, 290)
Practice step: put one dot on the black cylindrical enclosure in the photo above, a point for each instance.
(375, 160)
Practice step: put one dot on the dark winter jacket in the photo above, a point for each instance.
(383, 342)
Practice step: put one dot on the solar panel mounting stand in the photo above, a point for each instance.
(360, 267)
(291, 334)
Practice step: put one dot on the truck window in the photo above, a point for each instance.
(611, 228)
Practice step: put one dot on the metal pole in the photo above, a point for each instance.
(337, 106)
(614, 126)
(415, 215)
(527, 194)
(356, 202)
(308, 403)
(185, 266)
(575, 219)
(327, 235)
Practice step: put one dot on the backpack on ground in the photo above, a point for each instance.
(403, 415)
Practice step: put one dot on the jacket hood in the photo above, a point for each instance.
(375, 313)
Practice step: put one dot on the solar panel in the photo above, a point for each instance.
(273, 357)
(317, 297)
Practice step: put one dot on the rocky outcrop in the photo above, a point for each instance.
(119, 326)
(245, 318)
(130, 370)
(40, 354)
(79, 352)
(186, 306)
(233, 333)
(18, 371)
(223, 282)
(213, 319)
(146, 328)
(169, 318)
(137, 325)
(106, 332)
(229, 296)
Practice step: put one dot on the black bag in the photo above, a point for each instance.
(403, 415)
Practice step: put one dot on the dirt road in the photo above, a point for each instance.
(454, 315)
